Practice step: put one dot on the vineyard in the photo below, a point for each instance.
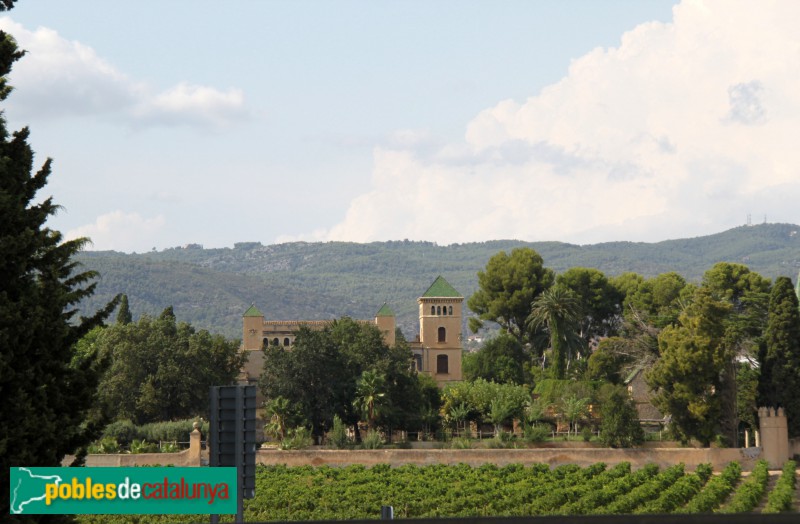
(356, 492)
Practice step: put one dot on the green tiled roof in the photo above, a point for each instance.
(385, 311)
(441, 288)
(253, 311)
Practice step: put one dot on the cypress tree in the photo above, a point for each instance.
(46, 392)
(779, 382)
(124, 313)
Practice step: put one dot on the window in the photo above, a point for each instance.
(286, 341)
(442, 334)
(441, 364)
(265, 342)
(433, 310)
(418, 362)
(438, 310)
(275, 342)
(451, 311)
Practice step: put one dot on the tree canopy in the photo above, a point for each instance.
(47, 393)
(162, 369)
(508, 287)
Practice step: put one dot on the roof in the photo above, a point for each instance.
(385, 311)
(441, 288)
(253, 311)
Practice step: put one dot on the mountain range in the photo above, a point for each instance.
(211, 288)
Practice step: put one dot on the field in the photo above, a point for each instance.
(356, 492)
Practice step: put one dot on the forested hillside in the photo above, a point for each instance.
(211, 288)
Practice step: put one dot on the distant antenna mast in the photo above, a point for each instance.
(765, 219)
(749, 219)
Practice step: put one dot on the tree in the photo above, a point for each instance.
(370, 395)
(620, 426)
(501, 359)
(687, 377)
(557, 310)
(124, 312)
(574, 409)
(280, 412)
(47, 393)
(162, 369)
(507, 288)
(608, 360)
(779, 382)
(599, 300)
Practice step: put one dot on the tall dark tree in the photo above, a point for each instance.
(46, 393)
(599, 300)
(124, 312)
(558, 312)
(507, 288)
(779, 382)
(162, 369)
(501, 359)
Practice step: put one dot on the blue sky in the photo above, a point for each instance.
(584, 121)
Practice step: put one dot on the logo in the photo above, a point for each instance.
(190, 491)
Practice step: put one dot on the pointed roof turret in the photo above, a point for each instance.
(253, 311)
(385, 311)
(441, 288)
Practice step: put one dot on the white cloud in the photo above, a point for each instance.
(120, 231)
(58, 78)
(681, 130)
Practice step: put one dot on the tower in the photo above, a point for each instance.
(440, 331)
(384, 319)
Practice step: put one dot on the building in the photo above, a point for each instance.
(436, 348)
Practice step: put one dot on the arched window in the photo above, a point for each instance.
(286, 341)
(418, 362)
(450, 312)
(438, 310)
(441, 364)
(433, 310)
(275, 342)
(265, 342)
(442, 334)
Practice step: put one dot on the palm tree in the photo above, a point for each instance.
(279, 411)
(558, 311)
(369, 395)
(574, 409)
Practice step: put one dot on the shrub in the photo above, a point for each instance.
(461, 443)
(106, 445)
(780, 498)
(586, 434)
(372, 440)
(142, 446)
(338, 435)
(297, 438)
(749, 493)
(537, 433)
(122, 431)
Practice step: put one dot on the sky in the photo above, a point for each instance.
(583, 121)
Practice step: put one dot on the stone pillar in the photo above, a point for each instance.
(194, 445)
(774, 436)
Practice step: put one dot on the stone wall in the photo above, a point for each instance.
(664, 457)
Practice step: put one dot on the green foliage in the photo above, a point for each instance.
(372, 440)
(142, 446)
(124, 311)
(346, 369)
(338, 435)
(508, 287)
(687, 377)
(750, 492)
(643, 493)
(599, 300)
(297, 438)
(106, 445)
(679, 493)
(501, 359)
(781, 497)
(715, 491)
(557, 311)
(478, 397)
(620, 427)
(48, 394)
(779, 382)
(125, 431)
(162, 369)
(536, 433)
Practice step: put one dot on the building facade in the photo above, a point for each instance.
(436, 348)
